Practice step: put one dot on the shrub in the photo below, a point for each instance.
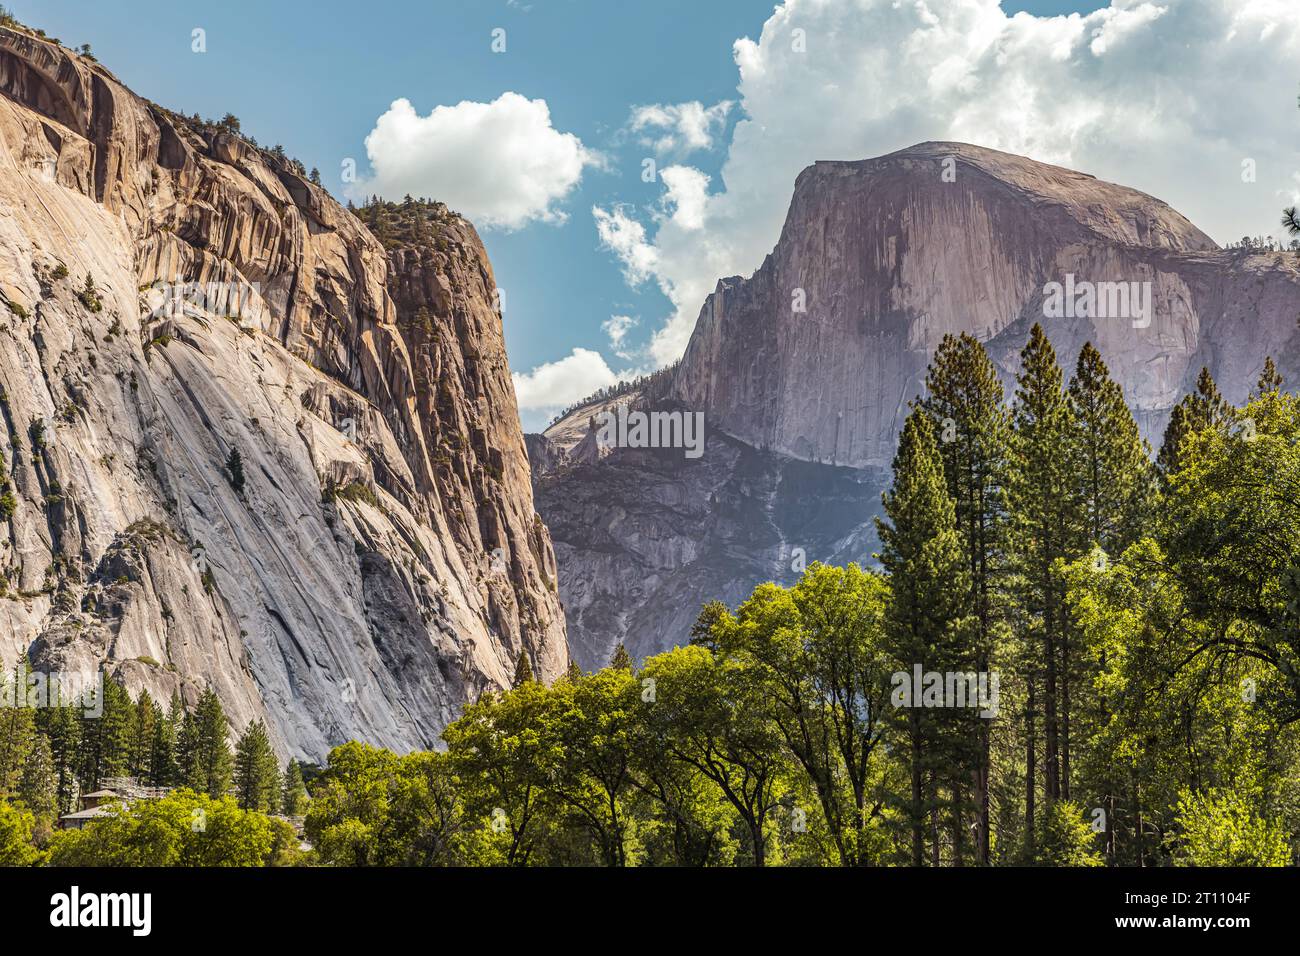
(89, 295)
(235, 470)
(1065, 838)
(16, 829)
(1220, 828)
(356, 491)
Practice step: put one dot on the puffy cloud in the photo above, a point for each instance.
(617, 327)
(681, 128)
(686, 194)
(1167, 97)
(680, 212)
(552, 386)
(626, 238)
(559, 383)
(501, 164)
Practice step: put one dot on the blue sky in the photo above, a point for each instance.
(316, 77)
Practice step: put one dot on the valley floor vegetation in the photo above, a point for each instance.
(1141, 615)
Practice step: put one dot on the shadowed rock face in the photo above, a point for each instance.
(645, 537)
(384, 562)
(885, 256)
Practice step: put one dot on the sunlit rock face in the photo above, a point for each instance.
(806, 368)
(817, 354)
(383, 563)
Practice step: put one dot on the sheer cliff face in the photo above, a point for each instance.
(888, 255)
(644, 538)
(383, 562)
(884, 257)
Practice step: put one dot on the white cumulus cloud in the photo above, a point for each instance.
(626, 238)
(681, 127)
(617, 327)
(686, 195)
(502, 164)
(1168, 97)
(560, 383)
(553, 386)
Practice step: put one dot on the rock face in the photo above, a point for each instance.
(383, 562)
(644, 537)
(804, 370)
(888, 255)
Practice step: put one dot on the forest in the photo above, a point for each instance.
(1138, 614)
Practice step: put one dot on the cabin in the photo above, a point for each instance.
(112, 790)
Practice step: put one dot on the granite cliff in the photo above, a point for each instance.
(804, 369)
(888, 255)
(246, 442)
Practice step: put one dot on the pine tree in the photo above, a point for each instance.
(1176, 430)
(142, 734)
(1115, 475)
(235, 470)
(1117, 488)
(921, 550)
(964, 400)
(523, 669)
(257, 774)
(163, 770)
(89, 295)
(1203, 408)
(105, 740)
(186, 744)
(38, 788)
(62, 728)
(1209, 405)
(1269, 379)
(1046, 525)
(17, 726)
(293, 801)
(208, 758)
(621, 660)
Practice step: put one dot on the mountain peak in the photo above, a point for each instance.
(319, 422)
(1115, 212)
(817, 354)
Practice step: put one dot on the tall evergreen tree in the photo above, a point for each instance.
(105, 740)
(1114, 471)
(1116, 482)
(142, 734)
(17, 726)
(293, 799)
(1270, 380)
(163, 770)
(38, 787)
(1203, 408)
(964, 399)
(208, 760)
(257, 775)
(621, 660)
(523, 669)
(62, 727)
(1046, 522)
(921, 550)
